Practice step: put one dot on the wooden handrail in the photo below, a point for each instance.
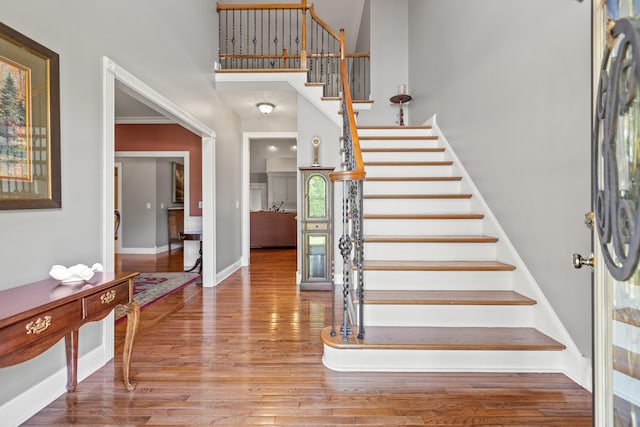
(323, 24)
(291, 56)
(358, 173)
(257, 6)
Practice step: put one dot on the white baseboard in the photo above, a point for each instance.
(31, 401)
(226, 272)
(146, 251)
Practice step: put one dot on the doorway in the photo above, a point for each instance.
(137, 89)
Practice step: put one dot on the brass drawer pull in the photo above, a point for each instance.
(108, 296)
(38, 325)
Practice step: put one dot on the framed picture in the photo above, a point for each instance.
(177, 182)
(29, 123)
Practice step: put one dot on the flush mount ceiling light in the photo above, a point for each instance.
(265, 107)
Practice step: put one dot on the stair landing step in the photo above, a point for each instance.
(446, 298)
(414, 178)
(417, 196)
(380, 265)
(432, 216)
(443, 338)
(430, 239)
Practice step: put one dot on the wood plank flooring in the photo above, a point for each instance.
(248, 352)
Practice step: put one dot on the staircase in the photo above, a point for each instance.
(438, 294)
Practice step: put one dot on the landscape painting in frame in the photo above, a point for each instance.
(15, 144)
(29, 123)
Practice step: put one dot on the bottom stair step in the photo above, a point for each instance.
(443, 338)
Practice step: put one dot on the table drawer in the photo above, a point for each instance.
(107, 299)
(40, 326)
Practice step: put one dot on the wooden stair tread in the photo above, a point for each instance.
(444, 338)
(437, 163)
(426, 127)
(417, 196)
(403, 150)
(398, 138)
(430, 239)
(391, 265)
(425, 217)
(353, 101)
(626, 361)
(414, 178)
(446, 298)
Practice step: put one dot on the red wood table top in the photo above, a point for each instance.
(16, 303)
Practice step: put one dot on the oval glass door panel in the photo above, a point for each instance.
(317, 191)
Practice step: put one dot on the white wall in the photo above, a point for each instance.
(510, 83)
(389, 59)
(168, 46)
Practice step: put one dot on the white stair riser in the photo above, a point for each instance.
(442, 360)
(395, 132)
(429, 251)
(447, 315)
(417, 206)
(422, 227)
(412, 171)
(381, 143)
(399, 156)
(412, 187)
(438, 280)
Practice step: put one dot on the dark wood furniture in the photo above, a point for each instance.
(400, 99)
(35, 316)
(194, 235)
(175, 224)
(273, 229)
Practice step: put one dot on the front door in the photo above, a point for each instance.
(616, 204)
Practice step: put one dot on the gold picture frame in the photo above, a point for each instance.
(177, 182)
(29, 123)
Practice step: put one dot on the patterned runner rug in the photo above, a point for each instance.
(151, 287)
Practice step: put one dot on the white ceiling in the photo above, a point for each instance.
(337, 14)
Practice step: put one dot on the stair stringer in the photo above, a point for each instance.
(571, 361)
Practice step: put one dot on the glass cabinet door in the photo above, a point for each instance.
(316, 256)
(316, 197)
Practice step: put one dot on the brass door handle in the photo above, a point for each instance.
(579, 261)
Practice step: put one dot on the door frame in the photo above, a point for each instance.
(246, 184)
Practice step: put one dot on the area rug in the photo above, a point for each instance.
(151, 287)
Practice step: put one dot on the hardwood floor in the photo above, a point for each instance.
(163, 262)
(248, 352)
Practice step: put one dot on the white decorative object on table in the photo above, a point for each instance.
(75, 273)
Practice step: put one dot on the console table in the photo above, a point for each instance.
(35, 316)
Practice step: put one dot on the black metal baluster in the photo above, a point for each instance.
(233, 38)
(255, 39)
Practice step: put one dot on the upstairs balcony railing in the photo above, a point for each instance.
(271, 37)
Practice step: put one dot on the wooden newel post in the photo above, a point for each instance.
(303, 50)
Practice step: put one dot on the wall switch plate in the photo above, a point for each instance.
(148, 205)
(200, 204)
